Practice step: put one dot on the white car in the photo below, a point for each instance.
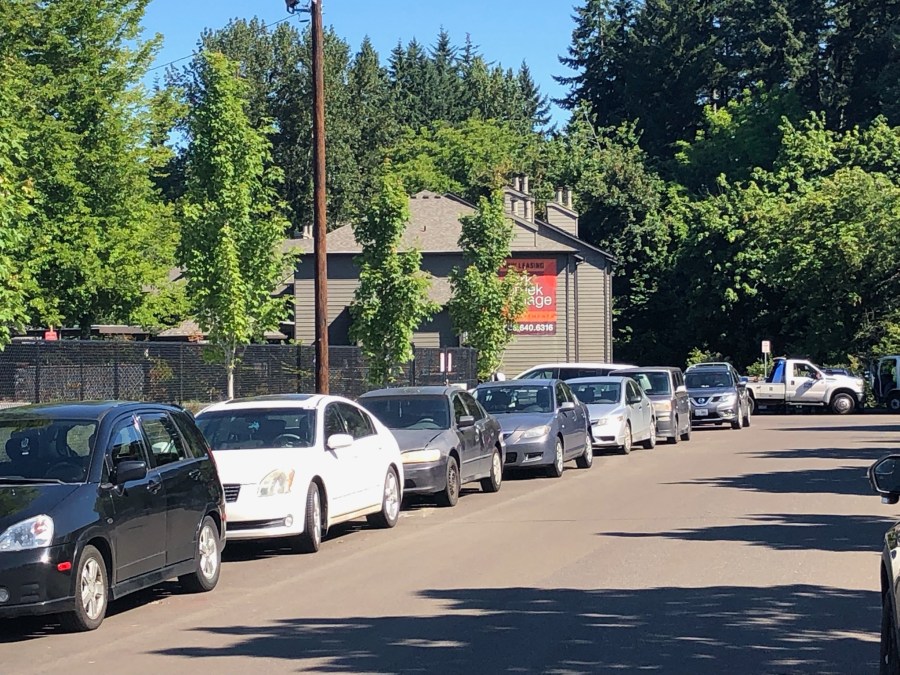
(569, 371)
(621, 413)
(294, 465)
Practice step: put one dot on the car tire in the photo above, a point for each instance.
(843, 404)
(556, 469)
(673, 439)
(686, 436)
(449, 496)
(310, 539)
(626, 447)
(889, 662)
(747, 415)
(586, 460)
(739, 422)
(493, 482)
(751, 404)
(390, 502)
(893, 403)
(208, 560)
(650, 443)
(91, 593)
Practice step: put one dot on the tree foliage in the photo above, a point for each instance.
(391, 301)
(487, 298)
(232, 228)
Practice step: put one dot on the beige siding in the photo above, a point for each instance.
(592, 313)
(343, 279)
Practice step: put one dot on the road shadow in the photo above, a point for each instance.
(784, 629)
(862, 428)
(867, 454)
(787, 532)
(844, 480)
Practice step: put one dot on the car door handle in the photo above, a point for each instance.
(196, 474)
(154, 485)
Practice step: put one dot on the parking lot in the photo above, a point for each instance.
(749, 551)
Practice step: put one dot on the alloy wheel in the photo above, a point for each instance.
(93, 590)
(209, 553)
(391, 496)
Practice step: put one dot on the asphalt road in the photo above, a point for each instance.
(752, 551)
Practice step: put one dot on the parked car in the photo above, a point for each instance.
(799, 383)
(98, 500)
(884, 475)
(569, 371)
(543, 424)
(621, 414)
(884, 378)
(665, 387)
(294, 465)
(717, 396)
(446, 438)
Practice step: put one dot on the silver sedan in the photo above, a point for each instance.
(621, 414)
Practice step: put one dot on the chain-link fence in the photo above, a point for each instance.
(183, 372)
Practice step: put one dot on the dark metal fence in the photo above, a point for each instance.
(183, 372)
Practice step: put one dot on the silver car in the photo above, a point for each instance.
(717, 396)
(543, 423)
(665, 387)
(621, 413)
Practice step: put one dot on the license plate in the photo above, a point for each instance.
(701, 412)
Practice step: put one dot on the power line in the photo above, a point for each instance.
(190, 56)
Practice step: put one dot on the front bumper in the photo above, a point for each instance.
(536, 452)
(714, 414)
(425, 478)
(608, 435)
(253, 517)
(34, 584)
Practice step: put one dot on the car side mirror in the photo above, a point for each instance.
(338, 441)
(465, 422)
(634, 399)
(567, 405)
(884, 476)
(129, 470)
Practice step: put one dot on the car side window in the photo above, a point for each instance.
(357, 425)
(459, 408)
(560, 394)
(545, 374)
(196, 443)
(334, 423)
(568, 392)
(475, 410)
(166, 444)
(633, 391)
(126, 445)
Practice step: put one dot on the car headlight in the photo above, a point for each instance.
(421, 456)
(608, 420)
(276, 483)
(536, 432)
(662, 406)
(728, 398)
(35, 532)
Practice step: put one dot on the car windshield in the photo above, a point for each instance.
(516, 399)
(708, 379)
(45, 449)
(252, 429)
(410, 412)
(653, 384)
(597, 393)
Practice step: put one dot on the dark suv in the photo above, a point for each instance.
(98, 500)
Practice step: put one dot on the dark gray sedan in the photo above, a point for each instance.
(446, 438)
(544, 424)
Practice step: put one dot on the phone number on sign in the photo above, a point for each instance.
(536, 328)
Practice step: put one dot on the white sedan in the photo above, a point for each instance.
(294, 465)
(621, 413)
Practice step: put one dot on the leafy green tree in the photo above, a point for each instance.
(391, 300)
(232, 227)
(486, 300)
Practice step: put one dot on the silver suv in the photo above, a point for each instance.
(664, 386)
(717, 395)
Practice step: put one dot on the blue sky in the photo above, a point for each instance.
(508, 31)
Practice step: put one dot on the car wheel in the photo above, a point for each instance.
(91, 593)
(450, 494)
(626, 446)
(751, 404)
(310, 539)
(208, 560)
(674, 438)
(843, 404)
(739, 422)
(747, 415)
(686, 436)
(889, 663)
(492, 483)
(893, 403)
(586, 461)
(390, 503)
(650, 443)
(555, 470)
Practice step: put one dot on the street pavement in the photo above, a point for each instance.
(751, 551)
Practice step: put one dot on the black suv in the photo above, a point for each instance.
(98, 500)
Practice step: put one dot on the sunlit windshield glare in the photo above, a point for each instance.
(410, 413)
(707, 380)
(597, 393)
(46, 449)
(252, 429)
(516, 399)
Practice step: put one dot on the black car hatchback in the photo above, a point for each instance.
(98, 500)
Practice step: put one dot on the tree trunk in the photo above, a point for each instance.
(229, 368)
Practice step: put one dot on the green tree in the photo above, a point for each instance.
(391, 300)
(232, 226)
(486, 300)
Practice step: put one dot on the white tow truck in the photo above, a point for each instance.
(885, 380)
(799, 383)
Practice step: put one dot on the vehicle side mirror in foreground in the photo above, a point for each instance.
(567, 405)
(338, 441)
(465, 422)
(884, 475)
(130, 470)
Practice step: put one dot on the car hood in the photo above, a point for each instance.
(416, 439)
(512, 421)
(249, 467)
(598, 410)
(18, 502)
(710, 392)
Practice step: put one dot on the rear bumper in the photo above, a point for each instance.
(34, 584)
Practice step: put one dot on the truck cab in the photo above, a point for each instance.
(885, 381)
(797, 382)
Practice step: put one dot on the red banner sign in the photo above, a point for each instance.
(540, 316)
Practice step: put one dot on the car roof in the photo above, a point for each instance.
(617, 379)
(81, 410)
(436, 390)
(712, 364)
(520, 383)
(578, 364)
(271, 402)
(647, 369)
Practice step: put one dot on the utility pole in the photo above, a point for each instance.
(319, 203)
